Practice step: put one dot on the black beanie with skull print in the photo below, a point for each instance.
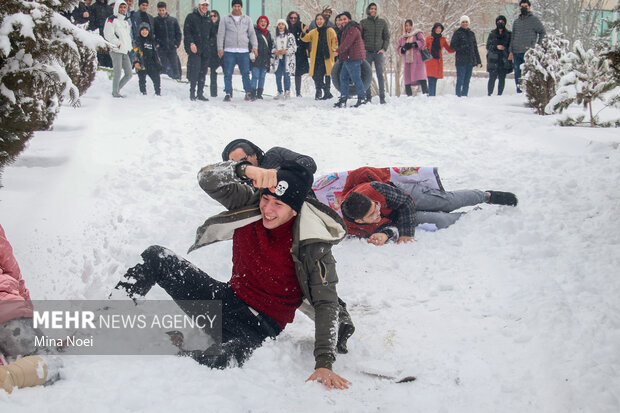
(294, 183)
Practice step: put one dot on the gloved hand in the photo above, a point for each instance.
(414, 45)
(403, 50)
(409, 45)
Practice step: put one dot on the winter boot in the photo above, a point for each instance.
(408, 90)
(360, 102)
(326, 88)
(345, 331)
(259, 93)
(318, 94)
(342, 103)
(248, 97)
(502, 198)
(382, 100)
(368, 96)
(228, 97)
(200, 92)
(192, 91)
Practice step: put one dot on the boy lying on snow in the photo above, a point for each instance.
(16, 329)
(281, 254)
(382, 211)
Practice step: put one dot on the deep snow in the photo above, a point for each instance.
(509, 310)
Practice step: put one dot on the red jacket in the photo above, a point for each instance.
(434, 67)
(351, 43)
(366, 230)
(14, 296)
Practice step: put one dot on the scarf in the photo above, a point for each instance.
(436, 46)
(263, 31)
(322, 46)
(409, 53)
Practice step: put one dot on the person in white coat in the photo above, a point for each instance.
(117, 31)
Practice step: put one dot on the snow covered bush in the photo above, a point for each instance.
(542, 70)
(587, 78)
(44, 61)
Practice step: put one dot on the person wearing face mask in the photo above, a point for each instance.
(498, 64)
(527, 31)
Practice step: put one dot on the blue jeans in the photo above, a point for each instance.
(432, 86)
(351, 69)
(463, 75)
(243, 61)
(280, 72)
(519, 59)
(258, 77)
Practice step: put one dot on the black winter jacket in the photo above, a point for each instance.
(464, 43)
(99, 12)
(214, 59)
(167, 32)
(197, 29)
(139, 17)
(146, 54)
(265, 44)
(78, 13)
(497, 60)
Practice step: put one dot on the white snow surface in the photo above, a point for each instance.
(509, 310)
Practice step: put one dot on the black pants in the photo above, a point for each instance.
(170, 63)
(153, 73)
(500, 84)
(242, 331)
(423, 85)
(197, 67)
(213, 81)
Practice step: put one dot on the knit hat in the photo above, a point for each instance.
(142, 1)
(294, 183)
(464, 18)
(239, 2)
(144, 25)
(262, 17)
(345, 13)
(282, 21)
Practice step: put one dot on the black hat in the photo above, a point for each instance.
(144, 25)
(294, 183)
(345, 13)
(142, 1)
(240, 143)
(239, 2)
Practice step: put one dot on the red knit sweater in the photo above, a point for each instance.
(263, 270)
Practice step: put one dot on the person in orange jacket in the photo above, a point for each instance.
(434, 67)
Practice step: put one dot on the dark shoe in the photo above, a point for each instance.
(138, 281)
(368, 97)
(192, 95)
(318, 94)
(259, 93)
(342, 103)
(202, 98)
(248, 96)
(382, 100)
(360, 102)
(327, 95)
(253, 95)
(502, 198)
(344, 332)
(227, 98)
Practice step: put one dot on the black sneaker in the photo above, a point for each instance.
(227, 98)
(382, 100)
(202, 98)
(502, 198)
(344, 332)
(360, 102)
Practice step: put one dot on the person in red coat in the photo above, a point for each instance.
(351, 51)
(434, 67)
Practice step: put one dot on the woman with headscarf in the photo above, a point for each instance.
(214, 59)
(434, 67)
(296, 27)
(324, 43)
(498, 64)
(410, 47)
(260, 65)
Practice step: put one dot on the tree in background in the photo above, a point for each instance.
(44, 61)
(543, 69)
(587, 78)
(576, 19)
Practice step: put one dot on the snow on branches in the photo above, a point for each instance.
(587, 78)
(542, 70)
(44, 61)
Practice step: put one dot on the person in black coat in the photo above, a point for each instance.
(260, 65)
(301, 54)
(214, 59)
(467, 56)
(100, 11)
(81, 14)
(168, 39)
(197, 32)
(498, 64)
(146, 59)
(141, 16)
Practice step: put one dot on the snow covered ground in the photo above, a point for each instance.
(509, 310)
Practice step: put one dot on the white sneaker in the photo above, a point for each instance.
(278, 96)
(287, 95)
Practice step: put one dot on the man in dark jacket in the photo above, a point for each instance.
(351, 52)
(99, 13)
(527, 31)
(376, 37)
(467, 56)
(197, 32)
(81, 14)
(146, 60)
(141, 16)
(168, 40)
(281, 256)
